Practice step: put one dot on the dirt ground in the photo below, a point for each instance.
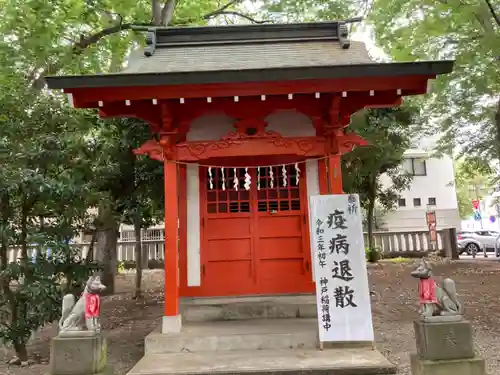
(127, 322)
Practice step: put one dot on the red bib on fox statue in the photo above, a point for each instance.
(427, 291)
(92, 305)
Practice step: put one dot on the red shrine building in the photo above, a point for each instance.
(249, 122)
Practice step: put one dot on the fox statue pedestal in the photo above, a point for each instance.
(445, 348)
(80, 348)
(444, 339)
(79, 353)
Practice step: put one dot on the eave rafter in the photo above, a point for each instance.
(90, 97)
(254, 106)
(144, 110)
(326, 110)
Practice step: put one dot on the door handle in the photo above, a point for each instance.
(307, 266)
(203, 270)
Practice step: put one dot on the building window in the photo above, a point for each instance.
(432, 201)
(415, 166)
(402, 202)
(417, 202)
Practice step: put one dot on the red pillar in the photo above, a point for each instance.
(172, 319)
(335, 174)
(330, 175)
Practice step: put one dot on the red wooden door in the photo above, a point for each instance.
(284, 264)
(254, 241)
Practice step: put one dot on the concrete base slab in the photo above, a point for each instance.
(332, 361)
(256, 334)
(171, 324)
(254, 307)
(469, 366)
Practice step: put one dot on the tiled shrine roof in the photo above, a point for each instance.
(249, 53)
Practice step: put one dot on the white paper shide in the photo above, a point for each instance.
(342, 292)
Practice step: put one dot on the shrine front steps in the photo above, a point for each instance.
(272, 362)
(217, 336)
(242, 308)
(257, 346)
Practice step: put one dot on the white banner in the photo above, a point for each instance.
(342, 292)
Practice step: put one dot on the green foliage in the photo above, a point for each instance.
(45, 189)
(311, 10)
(33, 298)
(378, 218)
(471, 183)
(464, 103)
(388, 132)
(373, 254)
(141, 176)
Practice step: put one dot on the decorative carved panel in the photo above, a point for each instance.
(348, 142)
(261, 143)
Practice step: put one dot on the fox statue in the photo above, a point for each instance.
(85, 310)
(436, 300)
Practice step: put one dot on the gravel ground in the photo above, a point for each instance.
(127, 322)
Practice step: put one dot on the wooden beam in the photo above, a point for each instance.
(90, 97)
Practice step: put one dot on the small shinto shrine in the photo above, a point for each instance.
(249, 121)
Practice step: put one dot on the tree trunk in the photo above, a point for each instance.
(106, 244)
(90, 253)
(167, 13)
(21, 351)
(156, 12)
(138, 258)
(369, 224)
(372, 194)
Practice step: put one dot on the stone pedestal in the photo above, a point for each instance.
(79, 353)
(470, 366)
(445, 348)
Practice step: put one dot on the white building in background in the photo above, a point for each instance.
(432, 187)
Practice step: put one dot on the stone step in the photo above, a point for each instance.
(255, 334)
(240, 308)
(315, 362)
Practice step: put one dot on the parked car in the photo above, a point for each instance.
(479, 240)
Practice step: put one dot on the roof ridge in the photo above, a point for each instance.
(240, 34)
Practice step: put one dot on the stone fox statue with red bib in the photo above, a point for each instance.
(85, 310)
(436, 300)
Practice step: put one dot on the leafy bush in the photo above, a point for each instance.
(32, 292)
(373, 255)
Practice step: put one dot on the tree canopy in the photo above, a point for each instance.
(464, 105)
(389, 133)
(471, 183)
